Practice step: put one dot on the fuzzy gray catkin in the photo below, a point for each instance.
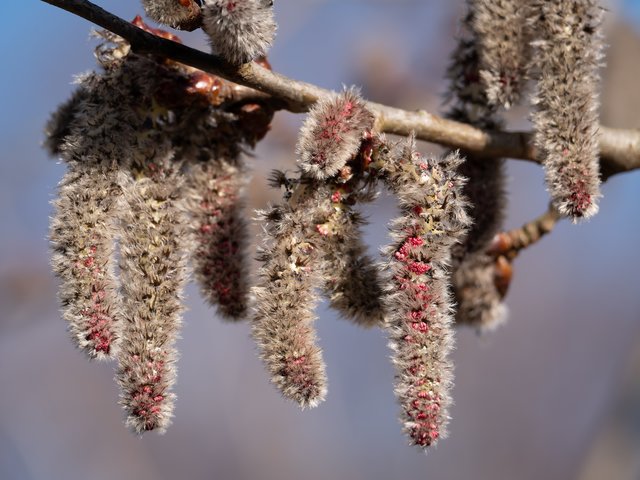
(503, 45)
(332, 133)
(479, 302)
(152, 232)
(240, 30)
(419, 307)
(58, 126)
(285, 296)
(92, 133)
(82, 233)
(478, 293)
(152, 266)
(130, 135)
(352, 281)
(331, 136)
(210, 143)
(568, 54)
(181, 14)
(213, 197)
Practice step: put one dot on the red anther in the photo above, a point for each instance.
(419, 268)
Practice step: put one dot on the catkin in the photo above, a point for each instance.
(91, 133)
(153, 275)
(504, 51)
(419, 324)
(332, 133)
(239, 30)
(568, 53)
(213, 198)
(180, 14)
(352, 280)
(479, 302)
(286, 296)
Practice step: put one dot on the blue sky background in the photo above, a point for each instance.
(632, 8)
(532, 399)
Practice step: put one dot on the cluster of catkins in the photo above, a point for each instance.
(505, 45)
(312, 243)
(155, 178)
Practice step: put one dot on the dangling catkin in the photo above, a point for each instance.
(568, 53)
(418, 303)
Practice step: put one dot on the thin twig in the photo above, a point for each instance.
(619, 149)
(509, 244)
(506, 246)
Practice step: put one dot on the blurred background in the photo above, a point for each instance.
(554, 394)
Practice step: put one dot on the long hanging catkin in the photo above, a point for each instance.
(92, 134)
(419, 307)
(286, 297)
(309, 245)
(331, 136)
(152, 266)
(479, 301)
(213, 199)
(152, 239)
(568, 53)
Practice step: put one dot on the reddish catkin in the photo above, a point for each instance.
(210, 142)
(153, 275)
(504, 50)
(479, 301)
(332, 133)
(213, 199)
(419, 309)
(240, 30)
(285, 296)
(568, 54)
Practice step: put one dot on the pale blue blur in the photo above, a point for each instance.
(533, 400)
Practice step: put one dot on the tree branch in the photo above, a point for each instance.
(619, 149)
